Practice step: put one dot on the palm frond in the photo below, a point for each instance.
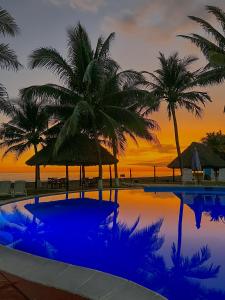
(80, 53)
(71, 126)
(218, 13)
(50, 59)
(7, 24)
(211, 30)
(8, 58)
(104, 50)
(50, 93)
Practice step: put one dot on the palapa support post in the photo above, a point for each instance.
(173, 175)
(67, 178)
(83, 177)
(130, 175)
(110, 176)
(80, 176)
(83, 173)
(154, 173)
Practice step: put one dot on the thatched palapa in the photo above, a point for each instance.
(77, 152)
(208, 158)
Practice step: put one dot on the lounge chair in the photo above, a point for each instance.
(20, 188)
(5, 189)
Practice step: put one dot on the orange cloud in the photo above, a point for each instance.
(158, 21)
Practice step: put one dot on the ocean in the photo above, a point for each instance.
(74, 173)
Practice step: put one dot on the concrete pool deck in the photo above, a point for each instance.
(75, 280)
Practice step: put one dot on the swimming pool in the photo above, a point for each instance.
(170, 242)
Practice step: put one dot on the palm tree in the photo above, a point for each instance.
(8, 58)
(26, 128)
(89, 99)
(120, 100)
(173, 83)
(212, 45)
(216, 141)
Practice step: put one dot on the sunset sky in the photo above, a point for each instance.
(143, 28)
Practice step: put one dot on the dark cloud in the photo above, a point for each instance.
(164, 148)
(158, 148)
(158, 162)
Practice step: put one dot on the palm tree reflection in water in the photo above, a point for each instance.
(25, 233)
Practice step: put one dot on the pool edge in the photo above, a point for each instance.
(88, 283)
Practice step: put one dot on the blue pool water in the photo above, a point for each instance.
(172, 242)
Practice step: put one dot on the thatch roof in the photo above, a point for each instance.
(208, 158)
(77, 152)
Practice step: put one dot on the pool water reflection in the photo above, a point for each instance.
(172, 243)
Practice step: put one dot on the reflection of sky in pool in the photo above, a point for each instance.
(171, 243)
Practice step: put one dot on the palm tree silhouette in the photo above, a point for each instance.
(26, 128)
(174, 84)
(95, 97)
(213, 47)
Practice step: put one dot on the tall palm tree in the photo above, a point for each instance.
(87, 101)
(8, 58)
(174, 84)
(212, 45)
(26, 128)
(120, 100)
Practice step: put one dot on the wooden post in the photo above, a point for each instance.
(130, 175)
(67, 178)
(83, 173)
(110, 176)
(173, 175)
(154, 173)
(80, 176)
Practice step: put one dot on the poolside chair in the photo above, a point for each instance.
(20, 188)
(5, 189)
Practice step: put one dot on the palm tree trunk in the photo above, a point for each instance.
(36, 169)
(100, 171)
(110, 176)
(117, 184)
(177, 139)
